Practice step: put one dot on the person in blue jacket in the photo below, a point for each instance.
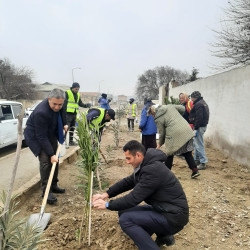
(147, 126)
(104, 102)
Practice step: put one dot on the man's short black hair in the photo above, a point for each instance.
(134, 147)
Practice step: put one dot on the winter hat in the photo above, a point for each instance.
(147, 99)
(104, 95)
(111, 113)
(132, 99)
(75, 85)
(196, 94)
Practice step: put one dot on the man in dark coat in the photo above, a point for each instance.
(167, 211)
(71, 105)
(43, 130)
(199, 117)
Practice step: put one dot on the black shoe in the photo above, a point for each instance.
(58, 190)
(51, 198)
(195, 174)
(72, 143)
(168, 240)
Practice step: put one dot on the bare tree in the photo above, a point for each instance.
(233, 41)
(16, 83)
(148, 83)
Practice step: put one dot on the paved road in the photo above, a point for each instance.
(8, 150)
(28, 168)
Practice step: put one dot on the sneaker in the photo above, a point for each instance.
(58, 190)
(195, 174)
(197, 162)
(202, 166)
(72, 143)
(168, 240)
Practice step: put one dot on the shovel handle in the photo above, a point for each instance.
(103, 156)
(50, 178)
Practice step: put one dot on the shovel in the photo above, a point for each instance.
(41, 220)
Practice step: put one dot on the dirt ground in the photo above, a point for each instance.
(219, 201)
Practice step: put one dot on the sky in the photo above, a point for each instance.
(111, 41)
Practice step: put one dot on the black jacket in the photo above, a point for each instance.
(155, 184)
(199, 114)
(42, 128)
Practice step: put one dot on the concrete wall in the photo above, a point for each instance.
(227, 97)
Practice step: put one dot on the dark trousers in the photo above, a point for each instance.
(149, 141)
(71, 122)
(45, 167)
(188, 157)
(140, 222)
(132, 121)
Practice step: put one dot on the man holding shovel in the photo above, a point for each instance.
(44, 129)
(167, 211)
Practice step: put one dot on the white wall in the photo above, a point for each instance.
(227, 96)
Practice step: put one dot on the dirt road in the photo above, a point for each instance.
(219, 203)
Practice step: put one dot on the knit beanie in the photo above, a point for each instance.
(75, 85)
(196, 94)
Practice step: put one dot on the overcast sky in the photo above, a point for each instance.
(112, 41)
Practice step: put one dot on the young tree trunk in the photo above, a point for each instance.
(10, 188)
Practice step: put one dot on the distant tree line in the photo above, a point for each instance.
(149, 82)
(16, 82)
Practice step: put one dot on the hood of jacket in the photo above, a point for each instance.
(153, 155)
(161, 110)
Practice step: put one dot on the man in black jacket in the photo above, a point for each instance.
(199, 116)
(42, 133)
(167, 211)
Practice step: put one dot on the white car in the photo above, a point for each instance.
(28, 111)
(8, 122)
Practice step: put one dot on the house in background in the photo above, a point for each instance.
(90, 97)
(45, 88)
(122, 98)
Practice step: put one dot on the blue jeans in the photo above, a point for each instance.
(140, 222)
(199, 149)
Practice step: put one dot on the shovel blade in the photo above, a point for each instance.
(39, 220)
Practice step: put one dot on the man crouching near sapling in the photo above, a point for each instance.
(152, 182)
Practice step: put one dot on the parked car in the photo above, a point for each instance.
(8, 122)
(28, 111)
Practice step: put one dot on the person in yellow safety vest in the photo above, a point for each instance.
(71, 105)
(132, 114)
(99, 117)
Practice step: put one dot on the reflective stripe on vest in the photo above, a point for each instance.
(133, 110)
(188, 107)
(98, 120)
(72, 106)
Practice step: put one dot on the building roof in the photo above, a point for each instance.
(47, 87)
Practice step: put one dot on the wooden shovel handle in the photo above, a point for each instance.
(103, 156)
(50, 177)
